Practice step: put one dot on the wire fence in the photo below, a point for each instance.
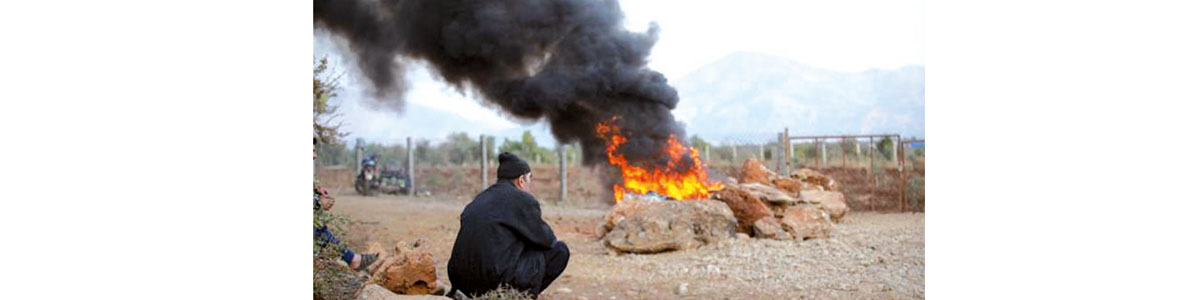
(458, 166)
(885, 166)
(878, 171)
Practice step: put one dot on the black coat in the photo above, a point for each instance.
(500, 240)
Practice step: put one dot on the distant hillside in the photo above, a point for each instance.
(750, 95)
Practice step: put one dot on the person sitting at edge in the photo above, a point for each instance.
(322, 201)
(502, 239)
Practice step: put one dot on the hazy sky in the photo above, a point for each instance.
(843, 35)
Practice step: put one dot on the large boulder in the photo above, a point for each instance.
(410, 270)
(652, 226)
(746, 206)
(377, 292)
(807, 222)
(833, 203)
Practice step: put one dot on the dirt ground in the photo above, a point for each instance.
(870, 255)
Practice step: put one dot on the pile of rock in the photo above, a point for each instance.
(648, 225)
(408, 270)
(758, 203)
(802, 206)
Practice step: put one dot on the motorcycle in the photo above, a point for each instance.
(370, 180)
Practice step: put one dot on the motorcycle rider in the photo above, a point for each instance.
(368, 163)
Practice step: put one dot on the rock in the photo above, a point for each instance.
(816, 178)
(807, 222)
(644, 226)
(768, 193)
(376, 292)
(746, 207)
(769, 228)
(563, 290)
(682, 289)
(755, 171)
(621, 211)
(791, 185)
(833, 203)
(409, 271)
(742, 236)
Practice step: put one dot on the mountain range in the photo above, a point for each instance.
(749, 97)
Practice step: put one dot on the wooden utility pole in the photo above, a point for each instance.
(562, 175)
(483, 158)
(412, 189)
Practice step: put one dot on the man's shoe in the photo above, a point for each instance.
(366, 261)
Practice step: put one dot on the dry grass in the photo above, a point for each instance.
(504, 293)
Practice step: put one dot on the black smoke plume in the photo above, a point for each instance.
(568, 61)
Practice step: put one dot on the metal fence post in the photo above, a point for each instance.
(858, 152)
(871, 154)
(734, 157)
(787, 150)
(843, 146)
(483, 158)
(778, 150)
(824, 154)
(816, 153)
(562, 175)
(412, 189)
(358, 155)
(895, 153)
(706, 157)
(903, 177)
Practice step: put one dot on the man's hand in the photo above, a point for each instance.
(326, 199)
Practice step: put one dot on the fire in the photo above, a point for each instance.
(691, 183)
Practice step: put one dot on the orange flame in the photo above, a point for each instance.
(691, 184)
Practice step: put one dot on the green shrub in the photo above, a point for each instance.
(915, 191)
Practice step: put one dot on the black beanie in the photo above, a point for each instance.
(511, 166)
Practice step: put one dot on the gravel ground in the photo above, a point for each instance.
(869, 256)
